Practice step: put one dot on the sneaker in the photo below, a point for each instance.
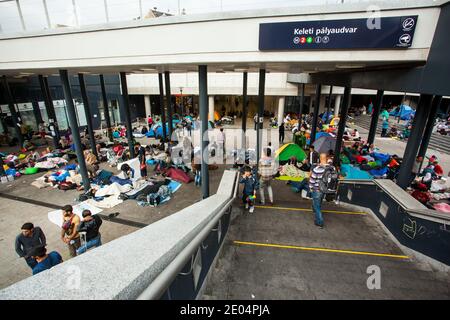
(262, 203)
(246, 206)
(271, 203)
(319, 225)
(251, 209)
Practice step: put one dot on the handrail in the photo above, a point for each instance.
(165, 278)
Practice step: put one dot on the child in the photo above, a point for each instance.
(250, 186)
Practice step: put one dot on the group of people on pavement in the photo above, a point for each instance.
(78, 234)
(322, 181)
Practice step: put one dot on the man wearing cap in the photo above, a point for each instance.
(29, 238)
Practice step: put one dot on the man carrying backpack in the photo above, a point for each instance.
(323, 181)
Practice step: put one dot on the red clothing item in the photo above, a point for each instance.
(438, 170)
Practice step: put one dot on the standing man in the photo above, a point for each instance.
(313, 156)
(69, 230)
(267, 170)
(221, 142)
(140, 150)
(319, 188)
(281, 132)
(29, 238)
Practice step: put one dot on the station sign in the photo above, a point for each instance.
(368, 33)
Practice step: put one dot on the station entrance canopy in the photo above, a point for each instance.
(341, 40)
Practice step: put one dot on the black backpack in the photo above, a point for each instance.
(329, 182)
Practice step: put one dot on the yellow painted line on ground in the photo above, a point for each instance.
(310, 210)
(280, 246)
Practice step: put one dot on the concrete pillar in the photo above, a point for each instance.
(148, 107)
(106, 108)
(74, 127)
(337, 103)
(261, 96)
(414, 140)
(87, 112)
(316, 115)
(430, 124)
(375, 115)
(126, 99)
(203, 106)
(211, 108)
(163, 110)
(168, 103)
(341, 127)
(280, 110)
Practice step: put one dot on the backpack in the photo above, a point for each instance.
(329, 182)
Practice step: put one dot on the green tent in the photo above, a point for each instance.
(290, 150)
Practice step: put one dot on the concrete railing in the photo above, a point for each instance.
(127, 267)
(425, 233)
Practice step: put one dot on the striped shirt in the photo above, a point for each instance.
(316, 176)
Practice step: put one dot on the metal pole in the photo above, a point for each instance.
(51, 108)
(300, 107)
(316, 115)
(244, 109)
(203, 106)
(375, 116)
(429, 128)
(329, 103)
(75, 129)
(126, 99)
(12, 108)
(88, 114)
(169, 103)
(409, 157)
(259, 126)
(341, 128)
(161, 102)
(106, 108)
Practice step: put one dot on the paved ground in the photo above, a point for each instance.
(20, 202)
(256, 264)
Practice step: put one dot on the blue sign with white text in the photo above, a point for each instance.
(369, 33)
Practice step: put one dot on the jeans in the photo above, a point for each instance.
(316, 207)
(31, 262)
(95, 242)
(302, 185)
(265, 185)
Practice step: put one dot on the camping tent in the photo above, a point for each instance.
(290, 150)
(324, 144)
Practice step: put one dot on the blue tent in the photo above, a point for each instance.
(405, 112)
(350, 172)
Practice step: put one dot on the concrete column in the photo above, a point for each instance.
(261, 96)
(316, 115)
(203, 106)
(414, 140)
(168, 102)
(341, 127)
(280, 110)
(106, 108)
(87, 112)
(375, 115)
(14, 114)
(163, 110)
(126, 99)
(148, 107)
(74, 127)
(211, 108)
(53, 124)
(430, 124)
(337, 103)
